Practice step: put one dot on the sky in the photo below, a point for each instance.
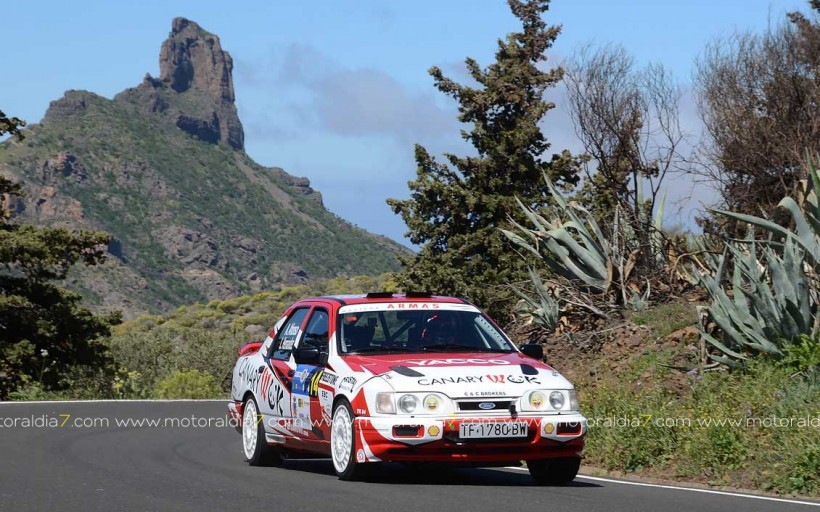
(338, 90)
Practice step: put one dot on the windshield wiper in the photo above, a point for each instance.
(462, 348)
(367, 350)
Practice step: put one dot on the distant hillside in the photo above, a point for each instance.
(162, 168)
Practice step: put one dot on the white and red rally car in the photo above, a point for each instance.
(403, 378)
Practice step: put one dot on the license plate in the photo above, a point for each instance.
(491, 430)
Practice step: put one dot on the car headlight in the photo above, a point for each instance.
(432, 403)
(548, 400)
(385, 404)
(413, 403)
(537, 400)
(408, 403)
(557, 400)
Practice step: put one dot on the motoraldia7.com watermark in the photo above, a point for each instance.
(651, 420)
(71, 421)
(67, 420)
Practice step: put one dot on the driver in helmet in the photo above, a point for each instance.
(440, 329)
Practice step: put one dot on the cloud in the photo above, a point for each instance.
(367, 101)
(362, 101)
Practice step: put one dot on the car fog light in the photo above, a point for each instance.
(431, 403)
(536, 399)
(557, 400)
(408, 403)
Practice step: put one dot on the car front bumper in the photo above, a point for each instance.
(438, 439)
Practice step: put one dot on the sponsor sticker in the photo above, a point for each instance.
(302, 389)
(480, 379)
(407, 306)
(360, 456)
(329, 378)
(347, 384)
(455, 361)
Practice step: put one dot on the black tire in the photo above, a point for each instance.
(343, 444)
(256, 449)
(554, 471)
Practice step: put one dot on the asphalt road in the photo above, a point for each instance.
(178, 466)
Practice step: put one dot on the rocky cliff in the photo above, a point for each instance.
(162, 168)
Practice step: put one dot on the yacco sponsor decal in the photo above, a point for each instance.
(402, 306)
(249, 373)
(454, 361)
(480, 379)
(264, 383)
(276, 398)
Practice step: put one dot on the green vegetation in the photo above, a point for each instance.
(44, 331)
(190, 384)
(456, 208)
(775, 289)
(11, 125)
(255, 313)
(664, 319)
(188, 352)
(749, 429)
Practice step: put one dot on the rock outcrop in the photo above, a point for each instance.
(192, 59)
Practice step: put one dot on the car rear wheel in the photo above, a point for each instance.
(554, 471)
(343, 443)
(255, 446)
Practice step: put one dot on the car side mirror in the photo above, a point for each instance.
(310, 354)
(533, 350)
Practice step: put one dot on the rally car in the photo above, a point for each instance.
(408, 378)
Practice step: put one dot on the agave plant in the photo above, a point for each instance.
(806, 219)
(774, 289)
(542, 309)
(770, 301)
(570, 242)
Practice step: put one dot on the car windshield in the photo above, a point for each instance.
(389, 328)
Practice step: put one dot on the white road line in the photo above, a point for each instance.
(692, 489)
(115, 400)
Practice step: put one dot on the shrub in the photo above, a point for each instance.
(190, 384)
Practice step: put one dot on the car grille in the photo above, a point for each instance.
(475, 405)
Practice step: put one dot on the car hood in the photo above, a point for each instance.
(461, 374)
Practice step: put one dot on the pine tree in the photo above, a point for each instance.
(456, 208)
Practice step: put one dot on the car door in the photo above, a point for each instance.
(276, 386)
(312, 398)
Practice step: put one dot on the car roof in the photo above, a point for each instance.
(381, 298)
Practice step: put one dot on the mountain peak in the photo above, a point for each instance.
(192, 59)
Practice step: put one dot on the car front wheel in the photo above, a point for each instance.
(343, 443)
(554, 471)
